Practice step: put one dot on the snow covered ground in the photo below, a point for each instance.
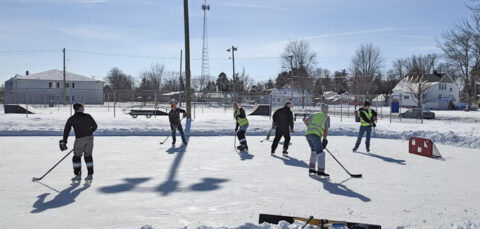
(456, 128)
(140, 182)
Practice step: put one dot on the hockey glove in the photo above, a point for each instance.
(324, 143)
(63, 145)
(292, 131)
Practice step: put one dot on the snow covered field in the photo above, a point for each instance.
(456, 128)
(139, 182)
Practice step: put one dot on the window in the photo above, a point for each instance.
(451, 89)
(439, 96)
(73, 98)
(50, 84)
(406, 97)
(424, 96)
(58, 84)
(73, 85)
(67, 85)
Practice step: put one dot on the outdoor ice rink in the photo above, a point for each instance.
(140, 182)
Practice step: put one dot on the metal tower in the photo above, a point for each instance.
(205, 65)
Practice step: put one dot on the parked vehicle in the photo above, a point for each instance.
(417, 113)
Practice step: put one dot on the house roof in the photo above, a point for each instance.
(54, 74)
(430, 78)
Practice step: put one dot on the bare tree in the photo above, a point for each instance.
(246, 81)
(417, 85)
(458, 48)
(119, 80)
(366, 64)
(151, 79)
(299, 55)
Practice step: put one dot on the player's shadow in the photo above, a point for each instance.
(173, 149)
(63, 198)
(291, 161)
(171, 184)
(208, 184)
(341, 189)
(128, 185)
(244, 155)
(386, 159)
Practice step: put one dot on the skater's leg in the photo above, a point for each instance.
(242, 132)
(286, 136)
(174, 131)
(180, 129)
(313, 152)
(77, 157)
(88, 154)
(359, 138)
(278, 135)
(367, 140)
(320, 158)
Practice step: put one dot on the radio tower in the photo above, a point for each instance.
(205, 65)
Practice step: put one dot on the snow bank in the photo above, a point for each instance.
(219, 122)
(468, 225)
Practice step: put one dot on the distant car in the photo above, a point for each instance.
(416, 113)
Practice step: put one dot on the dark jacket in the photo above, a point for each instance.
(174, 116)
(83, 125)
(364, 117)
(241, 115)
(283, 119)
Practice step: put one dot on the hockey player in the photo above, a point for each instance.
(367, 120)
(240, 126)
(317, 129)
(84, 126)
(175, 122)
(283, 122)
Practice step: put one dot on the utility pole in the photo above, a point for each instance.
(291, 76)
(181, 80)
(187, 58)
(64, 76)
(233, 49)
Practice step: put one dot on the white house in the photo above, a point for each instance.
(280, 95)
(47, 87)
(440, 91)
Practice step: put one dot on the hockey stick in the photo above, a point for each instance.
(161, 143)
(307, 222)
(352, 175)
(37, 179)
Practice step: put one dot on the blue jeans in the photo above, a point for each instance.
(174, 131)
(316, 154)
(364, 129)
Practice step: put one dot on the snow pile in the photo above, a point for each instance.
(280, 225)
(468, 225)
(219, 122)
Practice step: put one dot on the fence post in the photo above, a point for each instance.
(114, 104)
(341, 110)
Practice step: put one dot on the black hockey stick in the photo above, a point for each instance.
(37, 179)
(268, 135)
(161, 143)
(307, 222)
(352, 175)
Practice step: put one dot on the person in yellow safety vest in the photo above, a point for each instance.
(317, 129)
(241, 126)
(367, 120)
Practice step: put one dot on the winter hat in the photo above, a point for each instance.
(77, 106)
(366, 104)
(288, 102)
(324, 107)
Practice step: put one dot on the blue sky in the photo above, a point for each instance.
(146, 32)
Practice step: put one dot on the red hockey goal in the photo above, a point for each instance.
(423, 146)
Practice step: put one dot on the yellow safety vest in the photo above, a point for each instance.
(317, 125)
(369, 115)
(240, 121)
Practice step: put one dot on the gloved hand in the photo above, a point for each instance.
(292, 131)
(324, 143)
(63, 145)
(374, 124)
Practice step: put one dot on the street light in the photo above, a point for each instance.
(233, 49)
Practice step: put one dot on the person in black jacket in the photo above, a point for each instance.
(175, 122)
(367, 117)
(84, 126)
(283, 122)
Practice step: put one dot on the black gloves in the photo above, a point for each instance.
(324, 143)
(63, 145)
(373, 124)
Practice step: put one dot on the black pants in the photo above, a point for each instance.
(174, 128)
(278, 134)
